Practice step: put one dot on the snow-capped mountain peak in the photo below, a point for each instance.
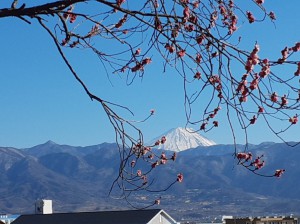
(179, 139)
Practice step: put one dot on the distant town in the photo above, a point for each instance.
(44, 215)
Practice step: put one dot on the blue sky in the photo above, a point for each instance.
(40, 100)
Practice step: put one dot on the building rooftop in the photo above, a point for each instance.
(107, 217)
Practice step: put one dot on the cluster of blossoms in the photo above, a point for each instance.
(121, 22)
(141, 151)
(140, 65)
(244, 89)
(161, 141)
(69, 15)
(163, 159)
(253, 59)
(257, 163)
(251, 17)
(246, 159)
(215, 80)
(244, 156)
(229, 19)
(285, 53)
(211, 115)
(170, 48)
(265, 69)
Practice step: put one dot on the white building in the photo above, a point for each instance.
(43, 206)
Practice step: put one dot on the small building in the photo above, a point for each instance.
(151, 216)
(43, 206)
(262, 220)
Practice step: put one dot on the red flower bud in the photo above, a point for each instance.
(180, 177)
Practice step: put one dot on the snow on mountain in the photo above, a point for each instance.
(179, 139)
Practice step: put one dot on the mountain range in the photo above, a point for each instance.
(79, 179)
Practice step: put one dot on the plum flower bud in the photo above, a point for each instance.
(186, 12)
(139, 173)
(121, 21)
(170, 48)
(132, 163)
(150, 156)
(163, 140)
(72, 18)
(278, 173)
(145, 179)
(254, 83)
(198, 58)
(197, 75)
(146, 61)
(257, 163)
(163, 156)
(195, 4)
(272, 15)
(284, 101)
(180, 177)
(260, 110)
(274, 97)
(265, 61)
(259, 2)
(181, 53)
(120, 2)
(200, 39)
(157, 201)
(138, 51)
(297, 73)
(296, 47)
(243, 99)
(253, 120)
(250, 17)
(64, 42)
(216, 123)
(294, 120)
(203, 126)
(244, 156)
(155, 164)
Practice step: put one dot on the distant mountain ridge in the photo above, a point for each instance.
(79, 179)
(180, 139)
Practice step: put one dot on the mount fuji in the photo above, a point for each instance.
(180, 139)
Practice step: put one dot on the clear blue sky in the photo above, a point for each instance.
(40, 100)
